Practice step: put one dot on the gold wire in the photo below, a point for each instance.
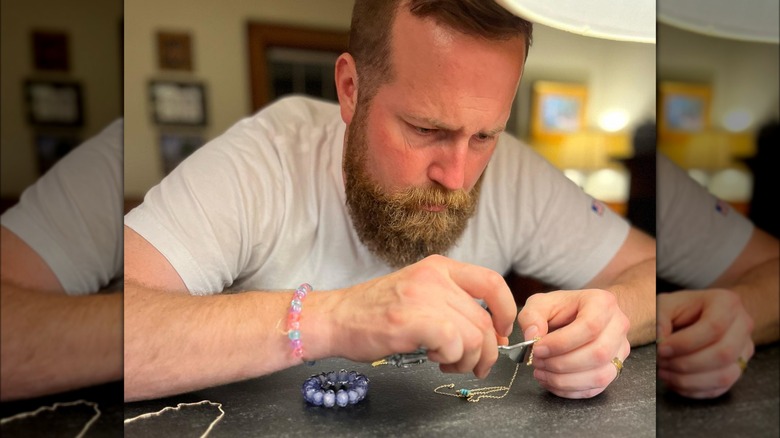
(474, 395)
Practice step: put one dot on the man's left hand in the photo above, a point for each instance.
(582, 332)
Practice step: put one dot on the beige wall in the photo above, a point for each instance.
(94, 42)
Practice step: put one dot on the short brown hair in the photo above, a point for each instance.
(372, 23)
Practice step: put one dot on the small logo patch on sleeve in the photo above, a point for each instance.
(722, 207)
(597, 207)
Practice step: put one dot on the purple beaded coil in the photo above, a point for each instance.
(335, 388)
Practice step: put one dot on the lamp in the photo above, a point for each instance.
(618, 20)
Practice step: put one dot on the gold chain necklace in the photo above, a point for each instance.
(475, 395)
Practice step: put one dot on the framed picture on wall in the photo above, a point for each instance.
(558, 110)
(50, 147)
(54, 103)
(684, 109)
(175, 147)
(50, 50)
(178, 103)
(174, 50)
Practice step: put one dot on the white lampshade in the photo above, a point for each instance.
(621, 20)
(747, 20)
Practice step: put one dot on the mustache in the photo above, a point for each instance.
(414, 198)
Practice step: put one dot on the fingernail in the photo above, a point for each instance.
(540, 352)
(665, 351)
(531, 332)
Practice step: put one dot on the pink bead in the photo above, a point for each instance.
(298, 352)
(296, 343)
(293, 317)
(294, 325)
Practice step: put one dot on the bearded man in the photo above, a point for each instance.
(402, 206)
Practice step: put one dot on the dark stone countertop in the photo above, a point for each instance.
(750, 409)
(71, 417)
(401, 402)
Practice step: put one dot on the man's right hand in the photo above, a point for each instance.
(432, 304)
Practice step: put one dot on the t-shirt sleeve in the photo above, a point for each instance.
(72, 215)
(699, 235)
(559, 234)
(204, 216)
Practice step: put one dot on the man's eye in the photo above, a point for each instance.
(483, 137)
(424, 131)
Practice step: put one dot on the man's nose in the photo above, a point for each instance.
(449, 166)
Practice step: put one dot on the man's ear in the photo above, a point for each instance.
(346, 86)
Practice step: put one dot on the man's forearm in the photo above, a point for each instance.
(635, 291)
(759, 290)
(175, 342)
(53, 342)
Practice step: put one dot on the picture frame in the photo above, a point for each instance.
(174, 50)
(175, 147)
(51, 147)
(683, 109)
(50, 50)
(178, 103)
(54, 103)
(558, 110)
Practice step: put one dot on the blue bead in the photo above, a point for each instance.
(309, 394)
(308, 385)
(294, 334)
(352, 376)
(353, 396)
(361, 391)
(342, 399)
(332, 376)
(329, 399)
(343, 376)
(317, 398)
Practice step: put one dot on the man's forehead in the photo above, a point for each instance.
(435, 38)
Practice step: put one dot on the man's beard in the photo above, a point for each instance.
(397, 227)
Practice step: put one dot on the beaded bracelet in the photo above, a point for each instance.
(294, 319)
(335, 388)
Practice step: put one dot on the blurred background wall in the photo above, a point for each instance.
(93, 33)
(619, 76)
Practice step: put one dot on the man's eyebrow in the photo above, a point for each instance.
(495, 131)
(438, 124)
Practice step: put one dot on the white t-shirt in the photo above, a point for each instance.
(72, 216)
(262, 207)
(698, 235)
